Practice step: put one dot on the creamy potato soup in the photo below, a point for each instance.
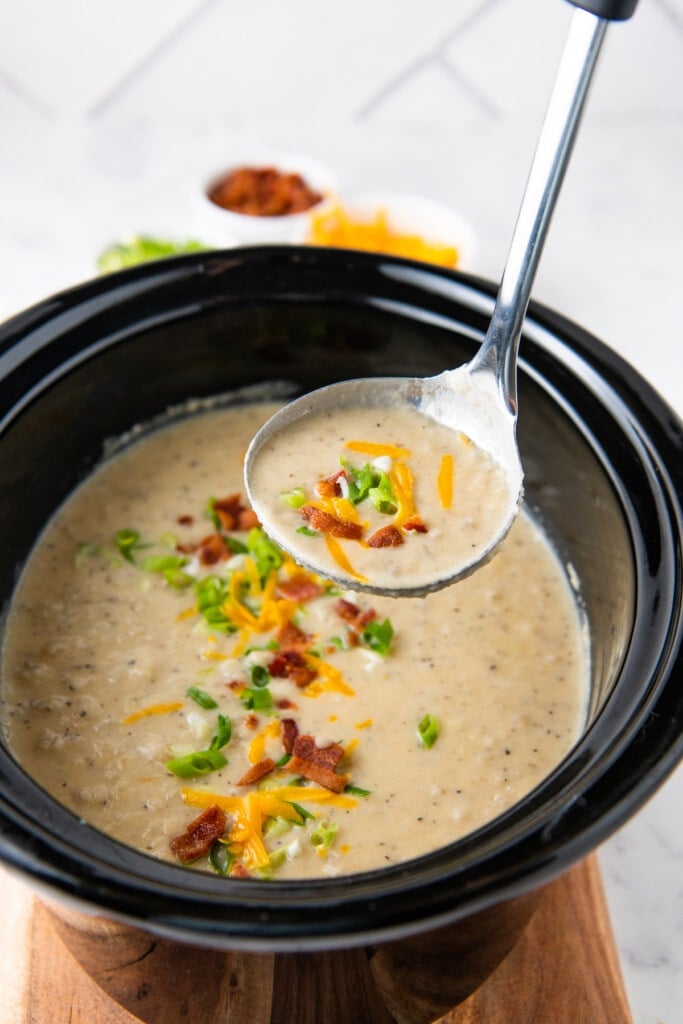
(385, 497)
(181, 684)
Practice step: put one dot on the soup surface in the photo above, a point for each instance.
(380, 496)
(182, 685)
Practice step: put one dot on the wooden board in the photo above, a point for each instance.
(564, 969)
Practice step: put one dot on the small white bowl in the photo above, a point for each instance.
(431, 221)
(216, 223)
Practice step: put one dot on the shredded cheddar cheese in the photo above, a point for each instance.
(257, 747)
(336, 227)
(376, 450)
(328, 679)
(340, 557)
(444, 481)
(153, 709)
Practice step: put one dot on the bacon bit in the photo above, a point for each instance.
(185, 520)
(290, 731)
(188, 548)
(236, 685)
(200, 835)
(228, 510)
(386, 537)
(324, 522)
(290, 636)
(299, 589)
(213, 549)
(317, 763)
(352, 614)
(239, 871)
(292, 665)
(256, 772)
(416, 524)
(330, 488)
(250, 721)
(247, 519)
(287, 705)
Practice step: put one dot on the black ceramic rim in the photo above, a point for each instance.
(611, 772)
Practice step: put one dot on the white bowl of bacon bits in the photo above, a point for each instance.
(264, 197)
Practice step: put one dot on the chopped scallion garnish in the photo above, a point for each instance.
(323, 835)
(356, 790)
(428, 731)
(201, 697)
(378, 635)
(295, 498)
(127, 543)
(201, 762)
(220, 859)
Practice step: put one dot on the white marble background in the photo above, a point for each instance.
(110, 114)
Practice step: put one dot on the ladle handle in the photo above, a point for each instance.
(611, 10)
(497, 356)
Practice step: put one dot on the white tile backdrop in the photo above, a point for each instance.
(110, 114)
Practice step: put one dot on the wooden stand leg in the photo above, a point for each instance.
(423, 977)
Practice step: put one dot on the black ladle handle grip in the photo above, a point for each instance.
(611, 10)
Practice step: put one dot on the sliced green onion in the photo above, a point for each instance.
(237, 547)
(356, 790)
(295, 498)
(284, 760)
(210, 513)
(257, 700)
(324, 834)
(260, 676)
(381, 494)
(306, 531)
(160, 563)
(201, 697)
(211, 591)
(264, 551)
(301, 811)
(220, 859)
(378, 635)
(201, 762)
(223, 733)
(277, 857)
(127, 543)
(428, 731)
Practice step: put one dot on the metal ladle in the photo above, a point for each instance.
(480, 397)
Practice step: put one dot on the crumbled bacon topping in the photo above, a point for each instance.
(318, 764)
(352, 614)
(250, 721)
(185, 520)
(330, 487)
(256, 772)
(233, 515)
(386, 537)
(292, 665)
(415, 524)
(200, 835)
(289, 730)
(239, 871)
(299, 589)
(325, 522)
(213, 549)
(291, 637)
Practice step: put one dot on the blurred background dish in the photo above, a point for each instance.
(397, 224)
(262, 197)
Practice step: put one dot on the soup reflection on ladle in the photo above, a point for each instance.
(478, 399)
